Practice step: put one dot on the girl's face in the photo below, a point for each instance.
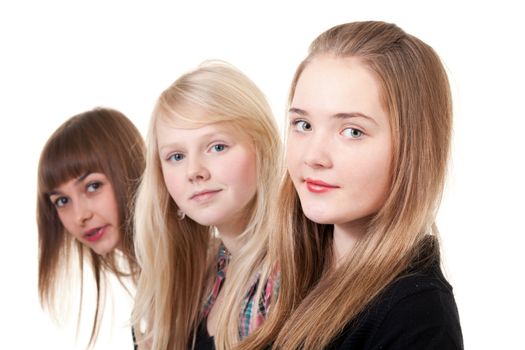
(339, 146)
(210, 172)
(88, 209)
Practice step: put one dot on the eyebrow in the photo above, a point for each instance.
(168, 145)
(79, 179)
(213, 134)
(343, 115)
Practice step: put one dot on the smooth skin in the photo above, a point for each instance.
(88, 209)
(211, 174)
(339, 147)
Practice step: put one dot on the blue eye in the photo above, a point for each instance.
(301, 125)
(218, 147)
(352, 133)
(93, 186)
(176, 157)
(60, 202)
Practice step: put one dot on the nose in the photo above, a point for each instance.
(197, 171)
(317, 152)
(82, 211)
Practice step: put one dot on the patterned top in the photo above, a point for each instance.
(250, 318)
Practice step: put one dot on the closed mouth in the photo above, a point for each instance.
(318, 186)
(319, 183)
(203, 194)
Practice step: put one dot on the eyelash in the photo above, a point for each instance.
(172, 158)
(91, 187)
(95, 184)
(213, 147)
(296, 125)
(57, 204)
(361, 133)
(296, 122)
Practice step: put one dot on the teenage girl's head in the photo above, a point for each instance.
(213, 131)
(406, 87)
(88, 172)
(367, 147)
(198, 124)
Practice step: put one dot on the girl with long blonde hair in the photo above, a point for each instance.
(202, 215)
(370, 120)
(88, 173)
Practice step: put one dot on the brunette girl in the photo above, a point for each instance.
(88, 173)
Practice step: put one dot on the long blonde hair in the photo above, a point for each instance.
(177, 256)
(100, 140)
(313, 305)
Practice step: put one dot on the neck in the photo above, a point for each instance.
(229, 235)
(230, 231)
(345, 237)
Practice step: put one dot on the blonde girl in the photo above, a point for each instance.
(88, 173)
(370, 120)
(202, 214)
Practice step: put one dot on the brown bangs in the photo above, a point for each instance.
(68, 156)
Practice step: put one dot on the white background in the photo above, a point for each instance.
(61, 58)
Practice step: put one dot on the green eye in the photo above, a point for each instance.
(352, 133)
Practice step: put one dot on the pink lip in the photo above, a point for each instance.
(95, 234)
(318, 186)
(204, 195)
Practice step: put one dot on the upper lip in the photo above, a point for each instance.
(198, 193)
(319, 183)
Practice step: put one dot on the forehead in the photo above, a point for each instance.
(331, 85)
(183, 115)
(168, 132)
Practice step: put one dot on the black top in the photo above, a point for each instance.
(203, 340)
(417, 311)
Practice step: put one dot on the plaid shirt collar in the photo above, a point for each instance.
(251, 316)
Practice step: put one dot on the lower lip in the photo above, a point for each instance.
(316, 188)
(205, 196)
(98, 235)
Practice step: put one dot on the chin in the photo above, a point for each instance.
(318, 217)
(105, 249)
(205, 219)
(102, 251)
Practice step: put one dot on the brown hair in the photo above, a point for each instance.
(313, 305)
(101, 140)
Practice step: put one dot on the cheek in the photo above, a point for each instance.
(65, 220)
(375, 176)
(243, 172)
(248, 172)
(292, 156)
(173, 183)
(113, 207)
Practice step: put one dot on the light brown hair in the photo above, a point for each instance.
(316, 302)
(100, 140)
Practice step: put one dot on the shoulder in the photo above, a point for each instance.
(421, 313)
(416, 311)
(411, 287)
